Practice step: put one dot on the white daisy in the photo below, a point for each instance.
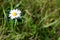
(15, 13)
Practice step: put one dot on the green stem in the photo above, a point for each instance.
(12, 25)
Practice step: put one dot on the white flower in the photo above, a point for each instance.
(15, 13)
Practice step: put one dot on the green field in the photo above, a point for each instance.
(40, 20)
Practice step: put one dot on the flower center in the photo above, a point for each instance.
(14, 13)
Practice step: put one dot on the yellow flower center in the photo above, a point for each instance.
(14, 13)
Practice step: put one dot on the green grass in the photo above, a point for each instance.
(40, 20)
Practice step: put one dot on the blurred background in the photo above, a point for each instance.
(40, 20)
